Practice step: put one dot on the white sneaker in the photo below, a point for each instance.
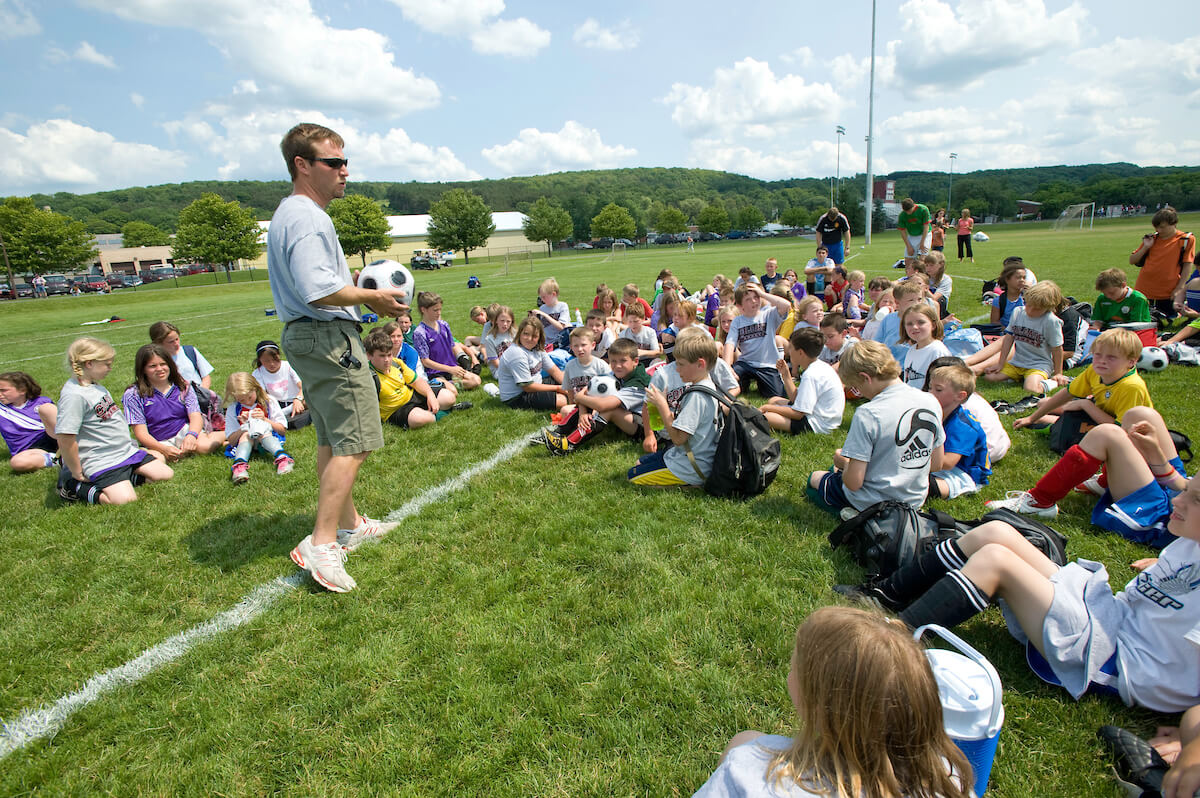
(325, 563)
(1020, 501)
(491, 389)
(368, 529)
(1091, 486)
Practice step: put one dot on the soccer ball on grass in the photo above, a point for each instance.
(1153, 359)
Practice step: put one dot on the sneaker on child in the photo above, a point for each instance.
(1021, 501)
(325, 563)
(241, 473)
(284, 464)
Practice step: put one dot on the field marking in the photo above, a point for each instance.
(48, 719)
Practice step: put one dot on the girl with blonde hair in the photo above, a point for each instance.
(253, 420)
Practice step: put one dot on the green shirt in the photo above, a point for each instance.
(914, 223)
(1133, 307)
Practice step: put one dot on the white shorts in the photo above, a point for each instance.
(958, 482)
(920, 244)
(177, 439)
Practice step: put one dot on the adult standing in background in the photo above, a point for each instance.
(914, 222)
(318, 303)
(834, 231)
(39, 285)
(965, 225)
(1165, 260)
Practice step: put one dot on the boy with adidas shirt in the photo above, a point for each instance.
(752, 337)
(895, 438)
(818, 403)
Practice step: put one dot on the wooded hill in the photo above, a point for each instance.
(646, 191)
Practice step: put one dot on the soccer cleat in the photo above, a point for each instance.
(538, 438)
(461, 406)
(869, 594)
(241, 473)
(1025, 403)
(1138, 767)
(491, 389)
(368, 529)
(1021, 501)
(284, 464)
(325, 563)
(558, 444)
(1001, 407)
(1091, 487)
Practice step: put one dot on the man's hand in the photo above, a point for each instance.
(386, 301)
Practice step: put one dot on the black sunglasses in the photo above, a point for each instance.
(332, 163)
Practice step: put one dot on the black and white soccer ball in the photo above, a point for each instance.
(387, 274)
(602, 385)
(1153, 359)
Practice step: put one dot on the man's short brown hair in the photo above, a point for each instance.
(301, 141)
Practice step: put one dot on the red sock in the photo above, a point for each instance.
(1074, 467)
(1103, 479)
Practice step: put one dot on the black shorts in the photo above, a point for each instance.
(45, 443)
(533, 400)
(121, 473)
(400, 417)
(800, 425)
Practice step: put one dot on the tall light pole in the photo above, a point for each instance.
(870, 206)
(841, 131)
(950, 190)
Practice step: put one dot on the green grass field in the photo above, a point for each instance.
(547, 630)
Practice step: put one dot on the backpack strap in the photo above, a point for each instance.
(190, 352)
(722, 398)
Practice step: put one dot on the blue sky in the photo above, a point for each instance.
(104, 94)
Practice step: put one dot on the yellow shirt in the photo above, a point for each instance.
(1115, 399)
(395, 388)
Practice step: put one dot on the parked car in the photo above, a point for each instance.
(710, 236)
(5, 291)
(583, 245)
(624, 241)
(735, 234)
(92, 284)
(57, 285)
(602, 243)
(24, 290)
(166, 272)
(197, 268)
(130, 280)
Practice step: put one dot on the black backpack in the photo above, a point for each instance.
(890, 534)
(747, 456)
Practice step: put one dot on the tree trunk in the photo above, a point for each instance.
(549, 249)
(466, 257)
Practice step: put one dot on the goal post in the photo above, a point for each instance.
(1078, 211)
(618, 251)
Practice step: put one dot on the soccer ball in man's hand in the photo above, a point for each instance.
(388, 274)
(1153, 359)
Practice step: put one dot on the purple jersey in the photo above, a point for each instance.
(436, 345)
(21, 426)
(163, 414)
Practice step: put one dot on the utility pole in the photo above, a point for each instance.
(870, 206)
(950, 190)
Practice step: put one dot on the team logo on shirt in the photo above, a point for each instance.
(106, 408)
(1163, 591)
(915, 435)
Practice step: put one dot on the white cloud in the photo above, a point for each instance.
(245, 87)
(58, 154)
(573, 147)
(1180, 59)
(801, 56)
(289, 51)
(247, 143)
(89, 54)
(946, 48)
(750, 93)
(17, 20)
(137, 99)
(816, 158)
(477, 20)
(621, 37)
(519, 38)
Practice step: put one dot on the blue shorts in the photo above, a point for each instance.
(837, 251)
(829, 495)
(768, 379)
(1142, 515)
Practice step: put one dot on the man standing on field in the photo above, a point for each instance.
(318, 303)
(834, 230)
(914, 221)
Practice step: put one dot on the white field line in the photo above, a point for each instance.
(48, 719)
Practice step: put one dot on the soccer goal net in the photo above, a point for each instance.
(618, 251)
(1074, 215)
(520, 261)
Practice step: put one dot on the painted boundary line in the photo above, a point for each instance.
(48, 719)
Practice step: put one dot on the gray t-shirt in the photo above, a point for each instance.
(1033, 339)
(305, 262)
(755, 337)
(576, 375)
(519, 367)
(697, 416)
(895, 435)
(495, 342)
(89, 413)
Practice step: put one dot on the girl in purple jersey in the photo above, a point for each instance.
(162, 410)
(27, 422)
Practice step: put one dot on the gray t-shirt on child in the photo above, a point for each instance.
(305, 262)
(894, 434)
(89, 413)
(576, 375)
(755, 337)
(1033, 339)
(698, 417)
(519, 367)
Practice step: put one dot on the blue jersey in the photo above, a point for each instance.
(965, 437)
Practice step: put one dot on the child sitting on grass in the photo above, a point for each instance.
(817, 404)
(694, 430)
(629, 296)
(498, 337)
(162, 410)
(1035, 338)
(1118, 303)
(965, 463)
(622, 407)
(27, 422)
(868, 720)
(405, 400)
(906, 294)
(100, 464)
(922, 330)
(666, 379)
(597, 322)
(281, 382)
(580, 369)
(998, 442)
(520, 371)
(478, 314)
(750, 346)
(854, 297)
(1106, 389)
(441, 355)
(834, 329)
(895, 438)
(641, 334)
(253, 420)
(883, 304)
(554, 315)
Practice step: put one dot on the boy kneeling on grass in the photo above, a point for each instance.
(693, 431)
(895, 438)
(818, 403)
